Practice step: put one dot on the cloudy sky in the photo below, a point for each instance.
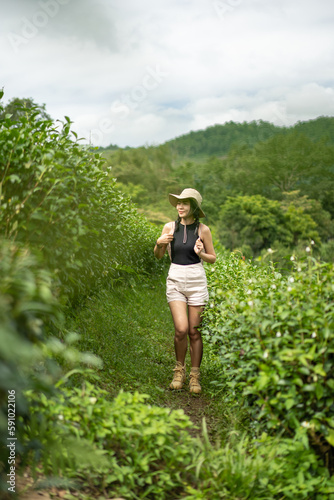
(142, 72)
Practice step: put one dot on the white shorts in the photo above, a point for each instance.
(188, 284)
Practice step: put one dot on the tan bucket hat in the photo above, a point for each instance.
(187, 194)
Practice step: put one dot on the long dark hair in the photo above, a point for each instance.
(194, 210)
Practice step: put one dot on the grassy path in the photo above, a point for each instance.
(131, 329)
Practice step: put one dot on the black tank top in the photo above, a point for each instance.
(183, 253)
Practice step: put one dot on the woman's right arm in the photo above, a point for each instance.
(162, 242)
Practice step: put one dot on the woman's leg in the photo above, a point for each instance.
(181, 325)
(196, 344)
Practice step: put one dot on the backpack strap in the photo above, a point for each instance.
(169, 246)
(199, 235)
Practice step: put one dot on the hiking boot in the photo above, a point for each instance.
(179, 376)
(194, 385)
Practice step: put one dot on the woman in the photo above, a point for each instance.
(189, 243)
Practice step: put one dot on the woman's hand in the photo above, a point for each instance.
(199, 247)
(164, 239)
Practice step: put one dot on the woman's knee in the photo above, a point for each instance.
(181, 332)
(194, 334)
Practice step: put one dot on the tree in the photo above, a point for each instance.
(285, 162)
(259, 223)
(18, 107)
(251, 220)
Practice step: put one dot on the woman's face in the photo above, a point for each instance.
(183, 207)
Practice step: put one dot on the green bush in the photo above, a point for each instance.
(259, 223)
(56, 197)
(29, 354)
(263, 469)
(136, 450)
(274, 338)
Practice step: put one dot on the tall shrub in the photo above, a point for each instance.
(57, 198)
(273, 335)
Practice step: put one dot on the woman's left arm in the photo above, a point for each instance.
(205, 250)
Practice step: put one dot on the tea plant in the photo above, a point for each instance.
(274, 338)
(136, 450)
(29, 355)
(56, 197)
(263, 469)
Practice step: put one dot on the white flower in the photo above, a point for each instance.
(307, 249)
(299, 269)
(250, 303)
(265, 354)
(312, 242)
(292, 257)
(313, 335)
(289, 288)
(306, 424)
(273, 287)
(291, 279)
(61, 417)
(270, 250)
(278, 334)
(249, 292)
(92, 400)
(250, 281)
(212, 305)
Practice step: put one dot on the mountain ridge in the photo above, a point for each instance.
(218, 139)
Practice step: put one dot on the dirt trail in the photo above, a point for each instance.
(196, 408)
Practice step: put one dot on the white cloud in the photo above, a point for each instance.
(217, 60)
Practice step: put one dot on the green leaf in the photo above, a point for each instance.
(319, 390)
(289, 403)
(319, 370)
(330, 437)
(14, 178)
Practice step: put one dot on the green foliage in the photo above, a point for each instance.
(149, 167)
(259, 223)
(274, 337)
(280, 164)
(251, 220)
(57, 198)
(317, 129)
(136, 450)
(283, 163)
(219, 139)
(263, 469)
(128, 448)
(17, 107)
(28, 353)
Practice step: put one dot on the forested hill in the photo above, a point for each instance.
(218, 139)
